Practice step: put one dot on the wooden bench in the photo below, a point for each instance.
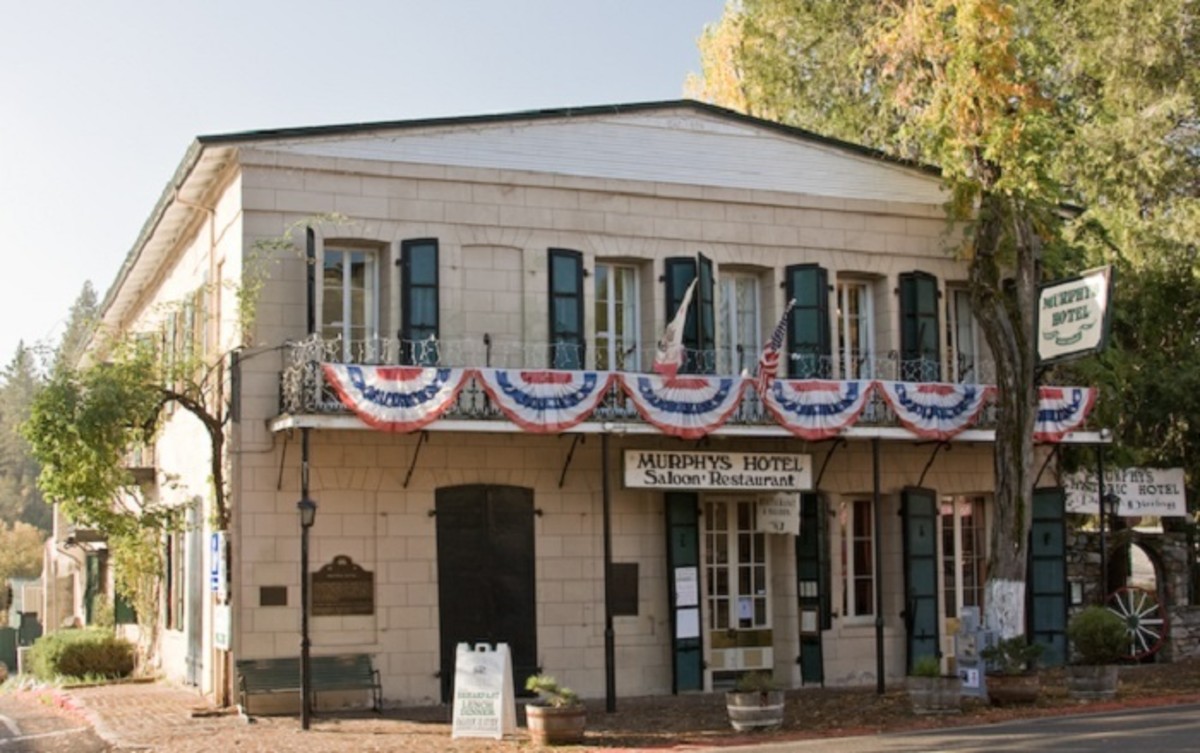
(328, 673)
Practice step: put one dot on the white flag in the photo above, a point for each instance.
(668, 355)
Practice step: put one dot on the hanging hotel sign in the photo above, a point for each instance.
(1141, 491)
(1072, 316)
(342, 588)
(734, 471)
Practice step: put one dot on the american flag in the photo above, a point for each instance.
(768, 362)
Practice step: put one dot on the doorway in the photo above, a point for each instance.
(486, 585)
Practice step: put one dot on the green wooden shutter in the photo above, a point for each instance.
(812, 587)
(683, 565)
(919, 512)
(1047, 592)
(919, 355)
(419, 305)
(566, 309)
(699, 329)
(808, 325)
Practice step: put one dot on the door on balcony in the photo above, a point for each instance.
(486, 574)
(737, 578)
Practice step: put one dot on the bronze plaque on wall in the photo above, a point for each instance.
(342, 588)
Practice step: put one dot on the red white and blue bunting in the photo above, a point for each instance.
(816, 409)
(395, 398)
(687, 407)
(935, 410)
(1062, 410)
(408, 398)
(545, 401)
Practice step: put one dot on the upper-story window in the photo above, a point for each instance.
(808, 326)
(350, 301)
(919, 361)
(618, 346)
(699, 327)
(740, 335)
(566, 309)
(855, 329)
(962, 335)
(419, 318)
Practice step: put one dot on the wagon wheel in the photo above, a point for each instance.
(1144, 617)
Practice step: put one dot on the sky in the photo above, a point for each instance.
(100, 99)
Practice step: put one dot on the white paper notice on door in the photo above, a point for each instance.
(687, 623)
(687, 587)
(745, 608)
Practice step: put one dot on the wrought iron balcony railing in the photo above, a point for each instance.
(303, 388)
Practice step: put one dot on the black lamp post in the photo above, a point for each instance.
(1109, 504)
(308, 515)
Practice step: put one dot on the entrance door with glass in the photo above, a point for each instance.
(738, 597)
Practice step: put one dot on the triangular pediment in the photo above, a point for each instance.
(682, 143)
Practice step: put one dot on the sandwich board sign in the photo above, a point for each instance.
(484, 705)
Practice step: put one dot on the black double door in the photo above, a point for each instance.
(486, 585)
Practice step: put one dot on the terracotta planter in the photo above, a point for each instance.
(756, 710)
(1092, 682)
(935, 695)
(555, 725)
(1006, 690)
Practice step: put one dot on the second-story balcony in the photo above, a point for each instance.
(306, 391)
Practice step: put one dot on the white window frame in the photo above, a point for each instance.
(623, 353)
(951, 514)
(732, 318)
(957, 331)
(864, 322)
(854, 612)
(728, 603)
(371, 339)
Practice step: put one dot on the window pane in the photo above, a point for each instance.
(422, 264)
(565, 273)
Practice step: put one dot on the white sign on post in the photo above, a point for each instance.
(1072, 316)
(484, 705)
(1141, 491)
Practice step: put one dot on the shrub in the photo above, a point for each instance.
(927, 666)
(81, 653)
(756, 682)
(1012, 656)
(550, 693)
(1099, 636)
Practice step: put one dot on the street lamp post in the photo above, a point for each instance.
(1109, 504)
(308, 515)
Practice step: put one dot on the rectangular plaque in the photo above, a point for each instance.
(342, 588)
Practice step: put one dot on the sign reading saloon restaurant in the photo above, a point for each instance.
(1072, 316)
(734, 471)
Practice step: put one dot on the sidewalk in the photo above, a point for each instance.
(162, 717)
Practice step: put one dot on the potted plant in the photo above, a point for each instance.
(1100, 640)
(755, 703)
(931, 692)
(1012, 671)
(557, 717)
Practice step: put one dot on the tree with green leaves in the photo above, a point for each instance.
(1026, 107)
(20, 499)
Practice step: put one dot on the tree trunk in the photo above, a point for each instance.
(1005, 307)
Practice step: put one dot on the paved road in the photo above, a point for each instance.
(29, 725)
(1174, 729)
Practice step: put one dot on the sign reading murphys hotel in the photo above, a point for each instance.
(730, 471)
(1073, 316)
(774, 478)
(1141, 491)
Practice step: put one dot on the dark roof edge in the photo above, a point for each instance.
(186, 165)
(559, 113)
